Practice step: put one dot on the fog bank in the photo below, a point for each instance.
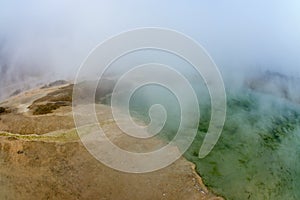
(48, 40)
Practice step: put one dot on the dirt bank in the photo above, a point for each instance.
(48, 161)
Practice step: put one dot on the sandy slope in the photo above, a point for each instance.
(42, 158)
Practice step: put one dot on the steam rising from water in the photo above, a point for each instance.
(48, 40)
(43, 41)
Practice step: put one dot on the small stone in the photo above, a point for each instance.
(20, 152)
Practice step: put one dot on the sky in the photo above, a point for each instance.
(53, 37)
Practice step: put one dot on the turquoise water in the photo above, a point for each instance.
(258, 154)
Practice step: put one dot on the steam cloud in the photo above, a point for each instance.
(48, 40)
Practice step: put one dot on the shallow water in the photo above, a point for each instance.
(258, 154)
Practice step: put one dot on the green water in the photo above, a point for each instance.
(258, 154)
